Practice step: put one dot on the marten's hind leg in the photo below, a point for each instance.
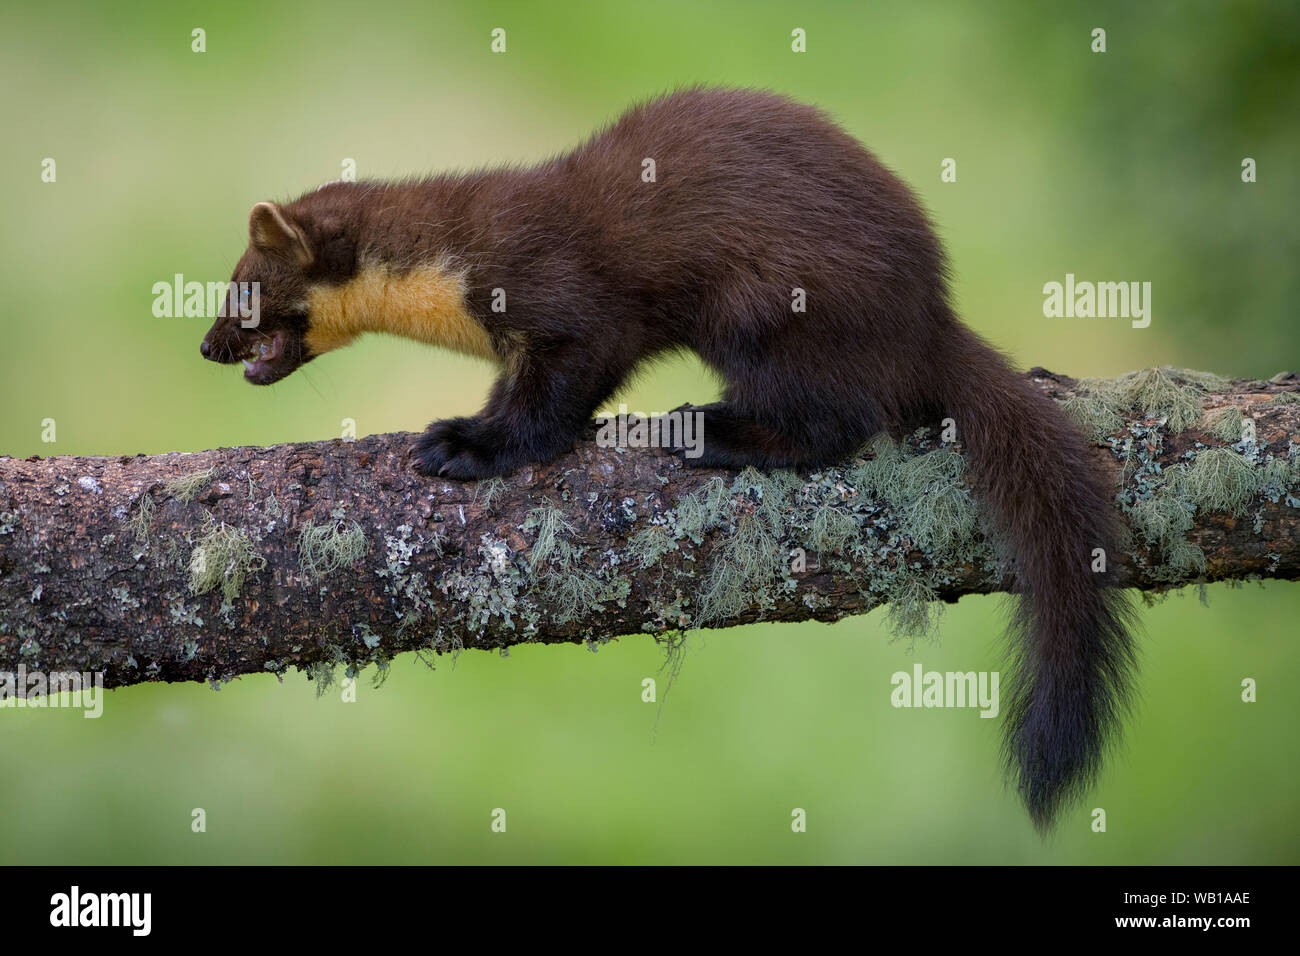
(789, 402)
(801, 436)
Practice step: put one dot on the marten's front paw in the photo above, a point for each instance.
(455, 448)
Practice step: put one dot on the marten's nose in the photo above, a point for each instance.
(205, 348)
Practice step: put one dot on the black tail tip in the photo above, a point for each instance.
(1054, 762)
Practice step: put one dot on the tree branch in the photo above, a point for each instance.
(208, 565)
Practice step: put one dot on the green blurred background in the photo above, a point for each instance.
(1116, 166)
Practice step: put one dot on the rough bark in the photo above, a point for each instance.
(212, 564)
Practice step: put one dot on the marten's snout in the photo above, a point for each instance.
(226, 342)
(219, 345)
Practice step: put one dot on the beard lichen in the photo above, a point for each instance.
(560, 575)
(489, 491)
(185, 488)
(1219, 479)
(747, 563)
(325, 548)
(914, 610)
(1226, 424)
(869, 519)
(223, 556)
(1173, 394)
(1162, 503)
(141, 522)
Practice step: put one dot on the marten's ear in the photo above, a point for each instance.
(270, 230)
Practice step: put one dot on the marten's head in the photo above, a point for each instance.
(301, 290)
(265, 320)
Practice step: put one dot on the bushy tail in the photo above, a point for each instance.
(1073, 659)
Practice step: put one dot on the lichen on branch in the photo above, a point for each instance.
(209, 565)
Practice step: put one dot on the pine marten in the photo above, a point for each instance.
(571, 273)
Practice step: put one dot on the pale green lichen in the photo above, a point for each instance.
(1280, 476)
(1162, 504)
(749, 559)
(1163, 521)
(649, 545)
(142, 520)
(1093, 412)
(550, 525)
(914, 609)
(367, 636)
(928, 491)
(560, 575)
(322, 672)
(1161, 518)
(1206, 381)
(703, 510)
(869, 521)
(185, 488)
(1168, 393)
(1100, 406)
(325, 548)
(1286, 398)
(936, 504)
(575, 591)
(223, 556)
(1220, 479)
(752, 558)
(407, 587)
(485, 492)
(832, 529)
(1226, 424)
(489, 594)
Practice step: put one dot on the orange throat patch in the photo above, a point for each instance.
(426, 303)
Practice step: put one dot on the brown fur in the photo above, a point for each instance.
(755, 196)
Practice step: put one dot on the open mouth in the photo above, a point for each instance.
(260, 357)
